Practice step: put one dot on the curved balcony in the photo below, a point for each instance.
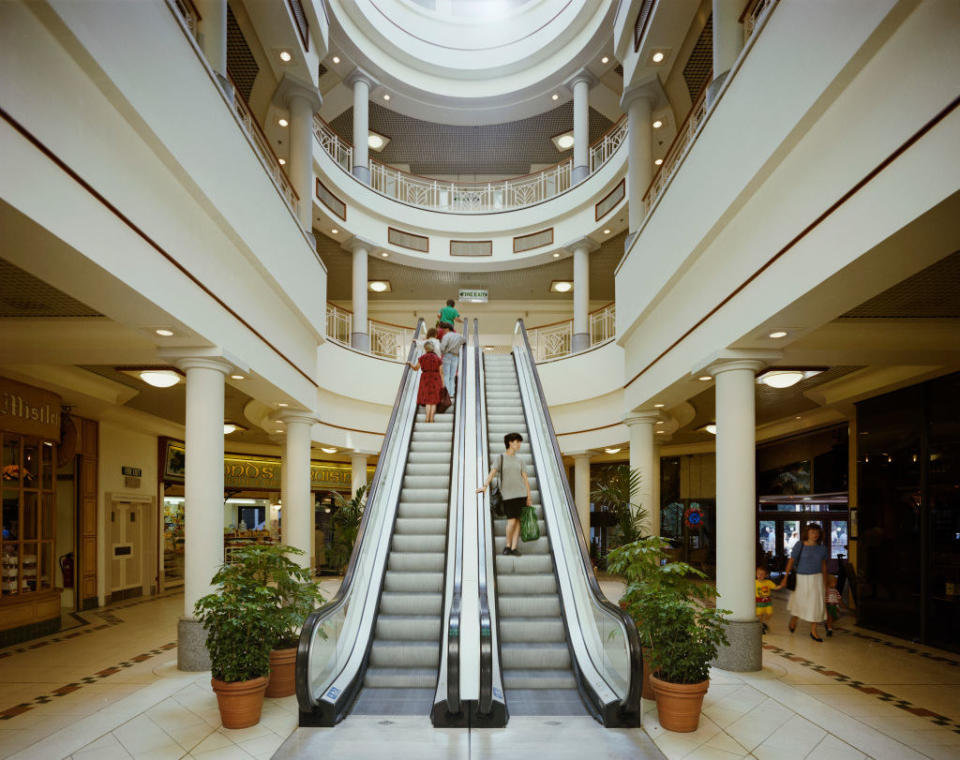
(469, 197)
(554, 340)
(387, 340)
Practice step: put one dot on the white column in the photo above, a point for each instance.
(362, 83)
(581, 491)
(727, 41)
(203, 499)
(580, 86)
(645, 458)
(297, 501)
(212, 36)
(581, 298)
(359, 337)
(302, 100)
(638, 103)
(736, 517)
(358, 472)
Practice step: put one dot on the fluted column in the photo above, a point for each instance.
(580, 85)
(203, 499)
(358, 472)
(727, 41)
(638, 101)
(581, 291)
(359, 336)
(297, 529)
(212, 36)
(581, 491)
(302, 100)
(645, 458)
(362, 83)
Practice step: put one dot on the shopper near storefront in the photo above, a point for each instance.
(807, 600)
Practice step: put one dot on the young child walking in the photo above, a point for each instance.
(764, 587)
(833, 603)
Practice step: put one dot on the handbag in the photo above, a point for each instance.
(496, 498)
(529, 527)
(444, 403)
(792, 576)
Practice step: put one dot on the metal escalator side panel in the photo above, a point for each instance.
(329, 672)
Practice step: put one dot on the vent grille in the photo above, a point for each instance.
(699, 66)
(23, 295)
(610, 201)
(471, 248)
(929, 294)
(643, 17)
(241, 65)
(337, 207)
(408, 240)
(523, 243)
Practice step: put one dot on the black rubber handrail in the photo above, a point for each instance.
(630, 704)
(318, 617)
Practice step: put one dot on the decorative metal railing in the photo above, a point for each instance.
(387, 340)
(555, 340)
(469, 197)
(752, 15)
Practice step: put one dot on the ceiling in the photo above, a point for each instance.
(23, 295)
(932, 293)
(412, 284)
(444, 149)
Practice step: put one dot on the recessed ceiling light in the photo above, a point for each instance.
(328, 449)
(556, 254)
(658, 162)
(659, 422)
(658, 406)
(282, 404)
(704, 378)
(657, 57)
(237, 377)
(282, 161)
(386, 96)
(334, 231)
(778, 334)
(561, 286)
(285, 56)
(659, 432)
(377, 141)
(379, 286)
(612, 451)
(336, 59)
(711, 428)
(606, 59)
(606, 232)
(164, 333)
(282, 122)
(384, 254)
(797, 417)
(160, 378)
(555, 97)
(565, 142)
(657, 124)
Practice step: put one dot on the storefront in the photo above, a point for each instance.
(252, 508)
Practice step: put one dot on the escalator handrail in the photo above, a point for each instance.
(630, 703)
(319, 616)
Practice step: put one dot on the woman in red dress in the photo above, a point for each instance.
(431, 382)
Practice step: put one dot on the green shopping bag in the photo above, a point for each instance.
(529, 527)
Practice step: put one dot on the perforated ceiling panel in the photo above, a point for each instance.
(933, 293)
(23, 295)
(241, 65)
(410, 283)
(442, 149)
(699, 66)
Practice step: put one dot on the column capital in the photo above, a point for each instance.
(359, 242)
(650, 89)
(581, 76)
(579, 454)
(291, 87)
(731, 359)
(641, 418)
(203, 357)
(584, 242)
(297, 416)
(359, 75)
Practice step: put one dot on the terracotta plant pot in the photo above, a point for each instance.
(283, 672)
(679, 704)
(648, 692)
(240, 702)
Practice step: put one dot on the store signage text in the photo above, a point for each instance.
(29, 411)
(474, 296)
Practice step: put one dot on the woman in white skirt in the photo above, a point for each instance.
(807, 601)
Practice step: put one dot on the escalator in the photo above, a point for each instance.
(381, 646)
(564, 649)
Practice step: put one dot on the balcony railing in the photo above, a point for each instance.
(388, 341)
(468, 197)
(555, 340)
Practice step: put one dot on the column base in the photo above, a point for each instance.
(745, 651)
(362, 173)
(580, 342)
(579, 174)
(360, 341)
(192, 654)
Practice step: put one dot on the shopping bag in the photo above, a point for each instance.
(529, 527)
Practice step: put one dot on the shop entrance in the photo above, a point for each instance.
(781, 521)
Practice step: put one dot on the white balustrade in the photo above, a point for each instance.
(754, 15)
(389, 341)
(554, 341)
(339, 325)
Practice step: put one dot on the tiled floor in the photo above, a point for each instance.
(110, 689)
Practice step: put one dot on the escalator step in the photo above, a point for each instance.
(413, 581)
(389, 653)
(535, 655)
(401, 678)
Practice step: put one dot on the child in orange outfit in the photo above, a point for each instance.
(764, 588)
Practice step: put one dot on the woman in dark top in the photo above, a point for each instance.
(807, 601)
(431, 382)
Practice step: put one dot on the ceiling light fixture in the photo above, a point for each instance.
(606, 231)
(658, 406)
(659, 432)
(160, 378)
(612, 451)
(785, 378)
(237, 377)
(778, 334)
(164, 333)
(285, 56)
(563, 141)
(658, 162)
(710, 428)
(657, 124)
(336, 59)
(704, 378)
(377, 142)
(282, 161)
(386, 96)
(379, 286)
(282, 122)
(328, 449)
(561, 286)
(384, 254)
(555, 97)
(282, 404)
(231, 427)
(606, 59)
(556, 255)
(334, 231)
(657, 57)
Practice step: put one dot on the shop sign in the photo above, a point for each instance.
(259, 473)
(29, 411)
(474, 296)
(131, 472)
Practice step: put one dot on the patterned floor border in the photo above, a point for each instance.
(12, 712)
(903, 704)
(902, 647)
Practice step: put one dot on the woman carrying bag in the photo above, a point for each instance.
(514, 488)
(807, 600)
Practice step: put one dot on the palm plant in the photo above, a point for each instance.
(346, 525)
(616, 490)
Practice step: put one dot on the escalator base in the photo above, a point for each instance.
(545, 702)
(393, 702)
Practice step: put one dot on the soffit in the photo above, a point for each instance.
(932, 293)
(411, 283)
(507, 149)
(23, 295)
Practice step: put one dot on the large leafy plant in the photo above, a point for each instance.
(669, 601)
(616, 490)
(346, 525)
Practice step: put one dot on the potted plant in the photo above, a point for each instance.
(239, 637)
(346, 522)
(616, 489)
(293, 596)
(679, 631)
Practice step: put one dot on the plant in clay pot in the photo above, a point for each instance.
(294, 595)
(679, 632)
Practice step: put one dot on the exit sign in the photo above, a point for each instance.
(474, 296)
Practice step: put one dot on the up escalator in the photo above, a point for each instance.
(380, 647)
